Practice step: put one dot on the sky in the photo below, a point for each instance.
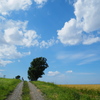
(65, 32)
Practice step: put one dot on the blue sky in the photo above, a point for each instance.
(66, 32)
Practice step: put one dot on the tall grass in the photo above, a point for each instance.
(55, 92)
(91, 90)
(7, 86)
(25, 92)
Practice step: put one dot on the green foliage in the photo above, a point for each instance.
(55, 92)
(37, 66)
(17, 77)
(26, 92)
(7, 86)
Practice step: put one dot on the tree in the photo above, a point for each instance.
(37, 66)
(17, 77)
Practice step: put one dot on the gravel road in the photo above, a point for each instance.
(16, 95)
(35, 93)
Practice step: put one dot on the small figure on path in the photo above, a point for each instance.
(22, 79)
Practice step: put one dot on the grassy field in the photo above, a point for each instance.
(7, 86)
(25, 92)
(65, 92)
(85, 86)
(93, 91)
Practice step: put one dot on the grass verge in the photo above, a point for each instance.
(25, 92)
(55, 92)
(7, 86)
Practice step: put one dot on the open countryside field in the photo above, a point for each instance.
(7, 86)
(84, 86)
(51, 91)
(69, 92)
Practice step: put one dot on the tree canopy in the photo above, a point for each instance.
(17, 77)
(37, 67)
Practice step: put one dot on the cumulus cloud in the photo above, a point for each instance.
(12, 35)
(84, 28)
(9, 52)
(15, 33)
(9, 5)
(40, 3)
(51, 73)
(70, 33)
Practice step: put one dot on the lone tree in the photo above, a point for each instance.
(37, 66)
(17, 77)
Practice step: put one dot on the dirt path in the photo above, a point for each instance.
(35, 93)
(16, 95)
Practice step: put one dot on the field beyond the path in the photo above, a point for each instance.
(68, 92)
(84, 86)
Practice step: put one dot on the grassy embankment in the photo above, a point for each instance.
(63, 92)
(7, 86)
(26, 92)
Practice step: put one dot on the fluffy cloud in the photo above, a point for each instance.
(10, 52)
(51, 73)
(48, 43)
(85, 27)
(40, 3)
(15, 33)
(9, 5)
(12, 35)
(70, 33)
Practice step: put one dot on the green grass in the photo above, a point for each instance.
(55, 92)
(26, 92)
(7, 86)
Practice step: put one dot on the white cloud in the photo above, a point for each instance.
(40, 3)
(12, 35)
(81, 29)
(9, 5)
(5, 62)
(10, 52)
(15, 33)
(51, 73)
(47, 44)
(91, 39)
(70, 33)
(69, 71)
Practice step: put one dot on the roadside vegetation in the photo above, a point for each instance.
(93, 91)
(7, 86)
(63, 92)
(25, 92)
